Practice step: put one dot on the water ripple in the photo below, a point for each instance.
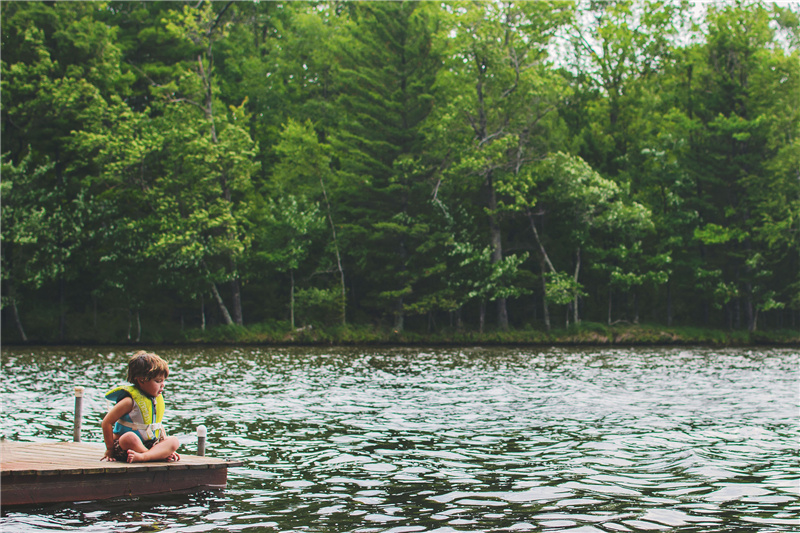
(402, 440)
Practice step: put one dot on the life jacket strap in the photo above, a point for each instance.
(149, 429)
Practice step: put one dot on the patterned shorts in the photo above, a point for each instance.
(122, 455)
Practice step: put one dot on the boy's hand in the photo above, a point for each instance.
(108, 456)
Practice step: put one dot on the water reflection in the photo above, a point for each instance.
(447, 440)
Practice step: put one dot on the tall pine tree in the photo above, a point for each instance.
(386, 74)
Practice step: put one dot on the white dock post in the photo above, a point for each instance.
(201, 440)
(76, 432)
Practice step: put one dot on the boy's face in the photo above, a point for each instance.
(152, 387)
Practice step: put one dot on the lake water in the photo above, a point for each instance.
(445, 440)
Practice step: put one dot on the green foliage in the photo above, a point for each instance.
(290, 225)
(562, 288)
(406, 162)
(318, 306)
(485, 279)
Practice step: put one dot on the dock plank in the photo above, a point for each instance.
(46, 472)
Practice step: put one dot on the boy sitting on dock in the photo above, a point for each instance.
(132, 428)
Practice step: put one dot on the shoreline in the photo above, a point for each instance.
(588, 335)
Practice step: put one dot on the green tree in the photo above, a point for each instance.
(499, 95)
(119, 144)
(385, 74)
(25, 224)
(305, 167)
(484, 279)
(617, 49)
(627, 124)
(289, 227)
(580, 209)
(59, 67)
(747, 125)
(226, 150)
(282, 58)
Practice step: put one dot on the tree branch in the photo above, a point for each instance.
(219, 17)
(545, 257)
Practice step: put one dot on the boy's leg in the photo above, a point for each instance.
(164, 449)
(131, 441)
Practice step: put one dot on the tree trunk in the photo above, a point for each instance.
(291, 298)
(226, 315)
(545, 309)
(610, 290)
(502, 313)
(12, 294)
(138, 327)
(236, 285)
(749, 309)
(206, 77)
(399, 316)
(576, 317)
(542, 251)
(236, 291)
(62, 311)
(669, 302)
(17, 319)
(336, 250)
(202, 313)
(482, 319)
(497, 251)
(545, 264)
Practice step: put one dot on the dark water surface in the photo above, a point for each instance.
(405, 440)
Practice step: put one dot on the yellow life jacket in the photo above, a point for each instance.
(144, 418)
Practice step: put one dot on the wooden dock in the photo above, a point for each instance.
(48, 472)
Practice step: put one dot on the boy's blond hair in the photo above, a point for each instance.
(146, 365)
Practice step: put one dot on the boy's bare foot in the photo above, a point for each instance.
(136, 457)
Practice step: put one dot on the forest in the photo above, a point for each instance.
(172, 168)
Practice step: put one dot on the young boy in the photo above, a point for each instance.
(132, 429)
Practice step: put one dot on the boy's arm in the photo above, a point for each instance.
(123, 407)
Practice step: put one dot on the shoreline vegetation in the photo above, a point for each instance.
(584, 334)
(233, 171)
